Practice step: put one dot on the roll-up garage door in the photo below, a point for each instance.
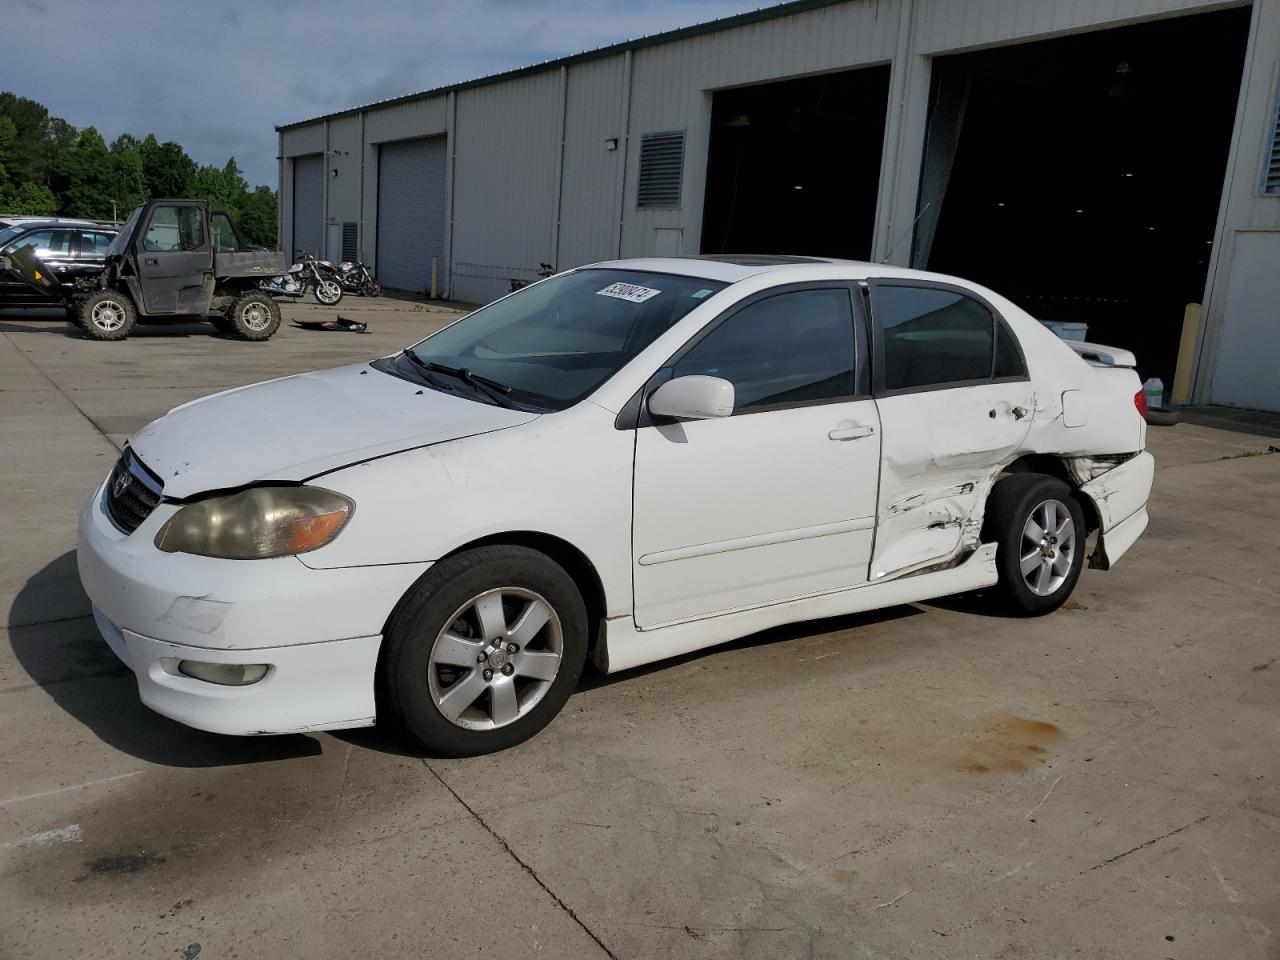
(411, 212)
(308, 204)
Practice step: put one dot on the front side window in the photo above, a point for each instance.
(557, 341)
(174, 229)
(932, 337)
(48, 243)
(785, 350)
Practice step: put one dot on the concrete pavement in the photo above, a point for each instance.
(927, 781)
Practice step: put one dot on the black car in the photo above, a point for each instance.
(68, 250)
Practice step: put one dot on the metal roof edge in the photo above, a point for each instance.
(653, 40)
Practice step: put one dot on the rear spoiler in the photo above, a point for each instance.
(1100, 355)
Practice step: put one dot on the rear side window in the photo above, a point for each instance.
(932, 337)
(786, 350)
(174, 229)
(94, 244)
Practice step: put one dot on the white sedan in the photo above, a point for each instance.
(627, 461)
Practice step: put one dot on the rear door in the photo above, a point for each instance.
(91, 252)
(175, 259)
(778, 500)
(955, 403)
(51, 250)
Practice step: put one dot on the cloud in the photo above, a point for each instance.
(219, 82)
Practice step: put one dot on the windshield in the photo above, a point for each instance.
(557, 341)
(126, 232)
(8, 233)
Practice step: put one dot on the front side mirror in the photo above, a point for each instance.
(693, 398)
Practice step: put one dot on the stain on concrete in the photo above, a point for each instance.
(1007, 744)
(991, 743)
(124, 862)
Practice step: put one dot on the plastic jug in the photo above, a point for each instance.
(1154, 389)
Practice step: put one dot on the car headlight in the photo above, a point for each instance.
(257, 523)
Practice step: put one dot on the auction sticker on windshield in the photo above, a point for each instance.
(628, 291)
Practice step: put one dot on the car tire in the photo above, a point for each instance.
(254, 316)
(1038, 567)
(328, 292)
(107, 315)
(449, 676)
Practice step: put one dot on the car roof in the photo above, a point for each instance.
(45, 224)
(730, 268)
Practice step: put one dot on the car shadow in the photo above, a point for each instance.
(56, 642)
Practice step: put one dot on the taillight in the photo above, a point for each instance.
(1140, 401)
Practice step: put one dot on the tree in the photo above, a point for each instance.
(258, 217)
(168, 170)
(30, 133)
(91, 178)
(32, 199)
(128, 184)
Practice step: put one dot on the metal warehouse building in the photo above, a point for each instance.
(1099, 161)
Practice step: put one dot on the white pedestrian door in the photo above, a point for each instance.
(778, 500)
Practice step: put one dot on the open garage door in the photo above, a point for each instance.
(1081, 176)
(308, 204)
(411, 212)
(794, 166)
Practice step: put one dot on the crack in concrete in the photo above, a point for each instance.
(524, 866)
(62, 393)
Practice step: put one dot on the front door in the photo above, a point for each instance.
(175, 260)
(955, 403)
(778, 500)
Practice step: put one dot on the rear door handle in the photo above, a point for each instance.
(855, 431)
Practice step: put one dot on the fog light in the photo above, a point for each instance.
(226, 674)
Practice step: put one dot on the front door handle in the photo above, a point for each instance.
(851, 431)
(152, 261)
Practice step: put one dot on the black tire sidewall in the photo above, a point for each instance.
(94, 332)
(433, 600)
(245, 332)
(1027, 493)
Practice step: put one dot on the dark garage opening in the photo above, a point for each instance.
(794, 166)
(1081, 177)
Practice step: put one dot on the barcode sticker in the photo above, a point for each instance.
(628, 291)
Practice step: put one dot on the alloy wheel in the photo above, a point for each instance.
(108, 315)
(495, 659)
(1048, 547)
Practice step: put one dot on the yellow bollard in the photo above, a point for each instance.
(1186, 352)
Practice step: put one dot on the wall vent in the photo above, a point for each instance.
(661, 171)
(1271, 164)
(350, 246)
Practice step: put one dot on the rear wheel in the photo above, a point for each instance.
(485, 650)
(107, 315)
(1039, 530)
(254, 316)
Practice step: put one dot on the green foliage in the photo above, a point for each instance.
(49, 168)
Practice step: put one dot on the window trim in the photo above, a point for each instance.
(635, 413)
(877, 337)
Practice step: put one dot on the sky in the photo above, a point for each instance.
(219, 76)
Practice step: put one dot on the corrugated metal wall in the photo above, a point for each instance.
(589, 202)
(411, 212)
(504, 188)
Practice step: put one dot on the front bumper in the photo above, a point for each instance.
(319, 630)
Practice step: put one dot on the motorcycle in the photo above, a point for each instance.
(319, 275)
(356, 278)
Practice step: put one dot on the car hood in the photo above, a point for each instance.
(299, 427)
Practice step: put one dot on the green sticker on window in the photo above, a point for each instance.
(702, 293)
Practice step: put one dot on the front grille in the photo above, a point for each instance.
(133, 492)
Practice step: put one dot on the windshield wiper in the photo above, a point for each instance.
(494, 389)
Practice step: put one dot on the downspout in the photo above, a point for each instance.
(279, 189)
(360, 222)
(323, 253)
(555, 226)
(451, 162)
(625, 147)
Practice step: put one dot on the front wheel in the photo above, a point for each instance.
(485, 650)
(1039, 530)
(372, 287)
(107, 315)
(254, 316)
(328, 291)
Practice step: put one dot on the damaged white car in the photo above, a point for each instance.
(628, 461)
